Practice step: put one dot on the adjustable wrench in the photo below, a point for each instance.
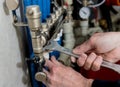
(54, 46)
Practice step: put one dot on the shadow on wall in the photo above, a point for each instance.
(22, 45)
(6, 10)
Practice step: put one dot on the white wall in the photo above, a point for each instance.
(11, 52)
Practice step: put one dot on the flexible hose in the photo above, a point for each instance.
(97, 5)
(79, 1)
(93, 6)
(69, 41)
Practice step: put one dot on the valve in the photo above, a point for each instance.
(40, 75)
(39, 62)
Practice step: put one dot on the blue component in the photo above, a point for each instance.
(41, 8)
(44, 13)
(41, 5)
(14, 12)
(56, 53)
(48, 6)
(26, 3)
(35, 2)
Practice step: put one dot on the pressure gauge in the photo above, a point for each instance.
(84, 12)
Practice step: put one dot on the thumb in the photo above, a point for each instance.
(86, 46)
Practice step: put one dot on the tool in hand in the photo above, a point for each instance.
(54, 46)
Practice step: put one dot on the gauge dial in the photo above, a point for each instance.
(84, 12)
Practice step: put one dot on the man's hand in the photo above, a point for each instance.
(62, 76)
(100, 46)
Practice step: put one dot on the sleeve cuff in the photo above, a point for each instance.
(101, 83)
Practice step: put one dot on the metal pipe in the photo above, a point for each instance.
(38, 40)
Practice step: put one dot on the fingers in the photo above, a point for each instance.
(81, 60)
(89, 61)
(73, 59)
(97, 63)
(48, 76)
(53, 59)
(52, 63)
(46, 72)
(92, 61)
(47, 82)
(49, 64)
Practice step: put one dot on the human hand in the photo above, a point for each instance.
(100, 46)
(62, 76)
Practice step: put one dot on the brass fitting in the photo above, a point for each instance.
(33, 15)
(38, 37)
(85, 3)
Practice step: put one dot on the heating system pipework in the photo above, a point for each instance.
(65, 22)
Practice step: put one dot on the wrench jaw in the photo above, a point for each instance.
(51, 46)
(46, 48)
(54, 46)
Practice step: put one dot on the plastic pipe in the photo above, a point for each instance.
(91, 31)
(84, 27)
(69, 40)
(97, 5)
(68, 2)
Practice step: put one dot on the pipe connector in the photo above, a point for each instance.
(49, 22)
(84, 26)
(33, 15)
(44, 27)
(60, 10)
(85, 3)
(53, 16)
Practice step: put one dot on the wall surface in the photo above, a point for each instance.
(11, 52)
